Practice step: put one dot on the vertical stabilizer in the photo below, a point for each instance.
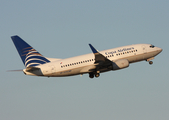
(28, 54)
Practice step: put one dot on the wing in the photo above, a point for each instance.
(101, 62)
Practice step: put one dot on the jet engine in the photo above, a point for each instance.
(120, 64)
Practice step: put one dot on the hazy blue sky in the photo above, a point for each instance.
(64, 28)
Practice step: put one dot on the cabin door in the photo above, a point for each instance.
(144, 49)
(52, 68)
(144, 52)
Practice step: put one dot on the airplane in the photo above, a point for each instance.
(93, 63)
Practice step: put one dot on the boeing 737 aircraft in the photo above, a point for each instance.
(93, 63)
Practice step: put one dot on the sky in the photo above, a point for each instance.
(63, 29)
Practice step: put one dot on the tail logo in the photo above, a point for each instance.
(33, 58)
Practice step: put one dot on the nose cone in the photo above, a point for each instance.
(159, 50)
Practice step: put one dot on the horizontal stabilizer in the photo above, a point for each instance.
(30, 69)
(14, 70)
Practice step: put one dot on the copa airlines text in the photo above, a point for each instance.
(93, 63)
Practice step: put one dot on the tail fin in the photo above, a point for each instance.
(28, 54)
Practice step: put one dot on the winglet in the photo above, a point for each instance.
(98, 56)
(93, 49)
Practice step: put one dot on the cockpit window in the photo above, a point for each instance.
(152, 46)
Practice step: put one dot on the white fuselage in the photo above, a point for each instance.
(84, 63)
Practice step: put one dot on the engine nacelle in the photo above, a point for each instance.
(120, 64)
